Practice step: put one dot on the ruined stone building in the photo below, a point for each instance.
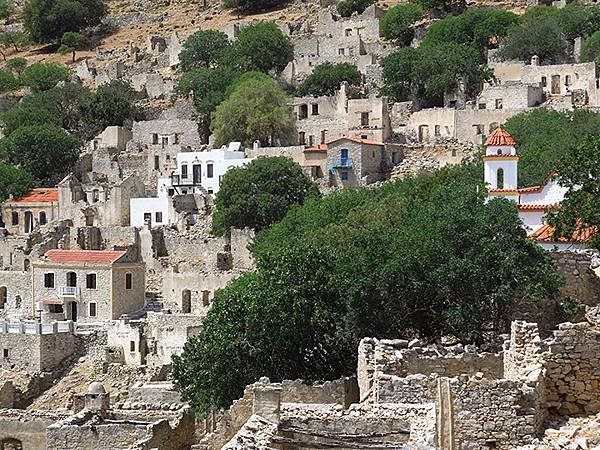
(34, 210)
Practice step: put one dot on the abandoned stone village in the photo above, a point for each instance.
(106, 274)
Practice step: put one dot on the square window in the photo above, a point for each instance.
(128, 281)
(55, 309)
(49, 280)
(90, 281)
(92, 310)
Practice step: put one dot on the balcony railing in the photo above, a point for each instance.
(342, 163)
(178, 180)
(68, 291)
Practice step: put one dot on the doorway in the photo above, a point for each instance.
(555, 86)
(73, 311)
(196, 173)
(28, 222)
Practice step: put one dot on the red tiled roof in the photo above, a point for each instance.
(545, 233)
(500, 137)
(499, 156)
(39, 195)
(359, 140)
(508, 191)
(537, 207)
(84, 256)
(317, 148)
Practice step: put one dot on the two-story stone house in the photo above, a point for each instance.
(87, 285)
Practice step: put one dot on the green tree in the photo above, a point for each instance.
(202, 49)
(261, 46)
(540, 37)
(398, 21)
(580, 208)
(111, 104)
(397, 72)
(12, 40)
(7, 8)
(16, 65)
(8, 82)
(446, 5)
(24, 116)
(45, 151)
(394, 263)
(256, 110)
(348, 7)
(41, 76)
(326, 78)
(14, 181)
(49, 20)
(254, 196)
(590, 50)
(248, 6)
(70, 43)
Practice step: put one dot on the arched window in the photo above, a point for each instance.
(3, 297)
(499, 151)
(500, 178)
(42, 218)
(71, 279)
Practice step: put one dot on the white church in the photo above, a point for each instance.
(500, 174)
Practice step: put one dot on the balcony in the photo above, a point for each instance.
(340, 163)
(178, 180)
(68, 291)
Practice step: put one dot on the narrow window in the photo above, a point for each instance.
(90, 281)
(498, 103)
(184, 171)
(92, 309)
(128, 281)
(544, 82)
(49, 280)
(205, 298)
(302, 138)
(147, 217)
(3, 297)
(158, 217)
(154, 138)
(344, 176)
(210, 170)
(156, 162)
(500, 178)
(303, 112)
(323, 136)
(132, 346)
(364, 119)
(5, 353)
(42, 218)
(15, 218)
(164, 141)
(437, 131)
(71, 279)
(315, 109)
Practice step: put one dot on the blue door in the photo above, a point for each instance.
(344, 157)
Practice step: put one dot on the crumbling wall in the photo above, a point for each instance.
(27, 426)
(581, 281)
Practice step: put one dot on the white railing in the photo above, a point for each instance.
(68, 291)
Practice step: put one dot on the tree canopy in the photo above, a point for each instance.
(397, 22)
(409, 259)
(202, 49)
(326, 78)
(252, 5)
(14, 181)
(42, 76)
(254, 195)
(23, 116)
(257, 109)
(348, 7)
(111, 104)
(49, 20)
(70, 42)
(590, 49)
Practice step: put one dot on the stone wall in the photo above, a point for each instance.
(579, 270)
(27, 426)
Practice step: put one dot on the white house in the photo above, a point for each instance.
(500, 174)
(197, 172)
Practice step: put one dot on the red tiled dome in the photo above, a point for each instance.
(501, 138)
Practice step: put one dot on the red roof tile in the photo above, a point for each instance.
(317, 148)
(359, 140)
(38, 195)
(500, 137)
(537, 207)
(545, 234)
(84, 256)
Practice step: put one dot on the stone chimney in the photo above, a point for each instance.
(535, 60)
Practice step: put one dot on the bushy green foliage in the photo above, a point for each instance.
(326, 78)
(7, 7)
(254, 195)
(581, 205)
(261, 46)
(203, 49)
(49, 20)
(256, 110)
(70, 42)
(348, 7)
(14, 181)
(447, 5)
(45, 151)
(24, 116)
(12, 40)
(410, 259)
(111, 104)
(16, 65)
(41, 76)
(590, 49)
(543, 38)
(8, 82)
(427, 72)
(397, 22)
(252, 5)
(545, 136)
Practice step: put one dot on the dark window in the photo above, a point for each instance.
(15, 218)
(3, 297)
(128, 281)
(155, 138)
(92, 310)
(315, 109)
(147, 217)
(49, 280)
(171, 192)
(42, 218)
(364, 119)
(344, 176)
(302, 138)
(158, 217)
(71, 279)
(209, 171)
(156, 162)
(90, 281)
(500, 179)
(132, 346)
(5, 353)
(55, 309)
(184, 171)
(303, 112)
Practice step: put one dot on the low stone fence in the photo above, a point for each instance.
(36, 327)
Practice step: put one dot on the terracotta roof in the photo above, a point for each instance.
(83, 256)
(317, 148)
(537, 207)
(359, 140)
(506, 191)
(38, 195)
(500, 156)
(500, 137)
(545, 233)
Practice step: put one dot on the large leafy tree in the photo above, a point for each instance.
(398, 21)
(45, 151)
(590, 50)
(204, 48)
(42, 76)
(14, 181)
(348, 7)
(260, 193)
(24, 116)
(111, 104)
(249, 6)
(257, 109)
(410, 259)
(70, 42)
(49, 20)
(580, 172)
(261, 46)
(326, 79)
(541, 37)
